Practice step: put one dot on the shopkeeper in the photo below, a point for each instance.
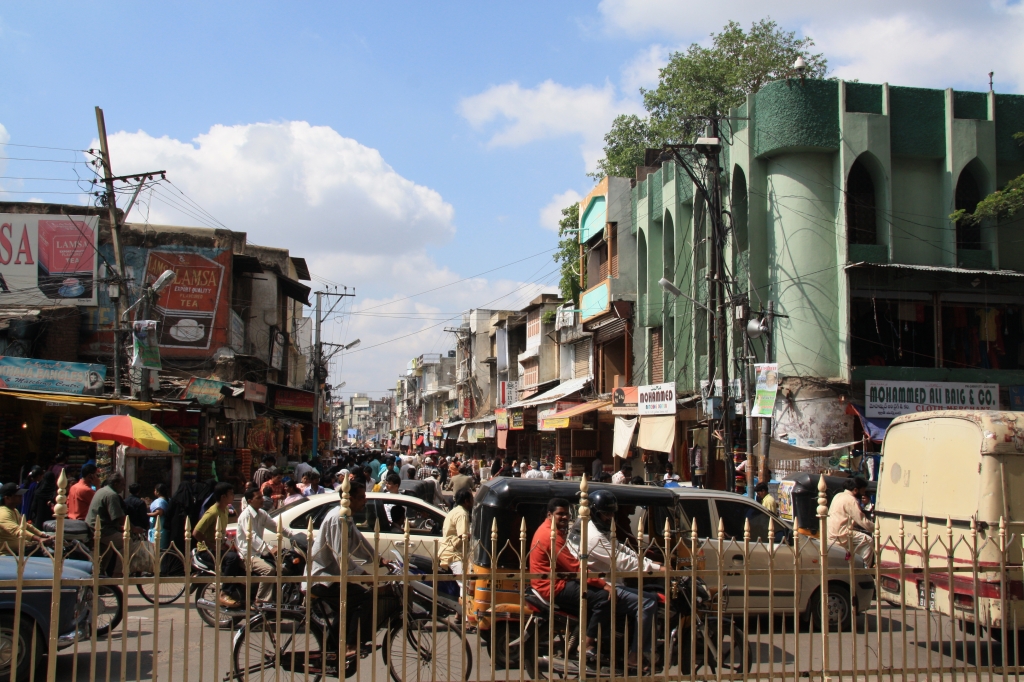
(10, 522)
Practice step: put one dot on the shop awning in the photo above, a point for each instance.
(557, 393)
(77, 399)
(577, 410)
(481, 420)
(294, 289)
(783, 450)
(935, 268)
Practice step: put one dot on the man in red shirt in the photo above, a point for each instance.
(80, 494)
(567, 590)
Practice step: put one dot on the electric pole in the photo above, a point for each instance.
(720, 284)
(115, 239)
(766, 422)
(319, 368)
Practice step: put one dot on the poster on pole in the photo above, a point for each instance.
(766, 387)
(145, 351)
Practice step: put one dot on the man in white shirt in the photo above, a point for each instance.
(547, 474)
(620, 477)
(327, 550)
(534, 471)
(600, 559)
(253, 520)
(847, 523)
(301, 469)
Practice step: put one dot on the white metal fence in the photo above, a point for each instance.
(784, 606)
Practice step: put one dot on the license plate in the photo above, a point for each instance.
(931, 596)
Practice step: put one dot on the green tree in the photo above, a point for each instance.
(624, 146)
(704, 81)
(1003, 203)
(568, 254)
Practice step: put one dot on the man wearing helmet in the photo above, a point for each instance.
(602, 555)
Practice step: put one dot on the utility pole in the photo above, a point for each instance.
(115, 239)
(766, 422)
(319, 367)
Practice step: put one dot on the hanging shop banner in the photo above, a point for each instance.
(656, 399)
(624, 401)
(204, 391)
(189, 304)
(47, 260)
(145, 351)
(515, 419)
(546, 420)
(293, 399)
(508, 392)
(501, 418)
(30, 374)
(766, 387)
(236, 331)
(894, 398)
(353, 434)
(255, 393)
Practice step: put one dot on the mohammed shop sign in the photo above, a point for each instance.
(656, 399)
(887, 399)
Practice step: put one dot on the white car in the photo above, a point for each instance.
(425, 520)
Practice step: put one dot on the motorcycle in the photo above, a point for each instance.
(696, 638)
(420, 640)
(216, 615)
(77, 545)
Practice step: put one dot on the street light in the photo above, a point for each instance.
(163, 280)
(352, 345)
(674, 290)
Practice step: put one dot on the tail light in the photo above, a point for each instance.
(890, 585)
(965, 602)
(231, 534)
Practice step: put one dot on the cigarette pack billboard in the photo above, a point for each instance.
(47, 260)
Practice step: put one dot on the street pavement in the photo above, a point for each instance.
(778, 651)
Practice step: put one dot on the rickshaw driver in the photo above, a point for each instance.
(601, 558)
(566, 594)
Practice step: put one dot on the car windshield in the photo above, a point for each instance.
(293, 505)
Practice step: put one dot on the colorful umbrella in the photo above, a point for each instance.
(126, 430)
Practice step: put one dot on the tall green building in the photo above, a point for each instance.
(839, 196)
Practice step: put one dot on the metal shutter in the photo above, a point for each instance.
(657, 357)
(581, 359)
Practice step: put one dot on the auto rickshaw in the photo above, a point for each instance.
(503, 504)
(798, 499)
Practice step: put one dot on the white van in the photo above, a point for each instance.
(965, 468)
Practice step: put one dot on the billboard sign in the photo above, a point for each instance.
(30, 374)
(188, 306)
(47, 260)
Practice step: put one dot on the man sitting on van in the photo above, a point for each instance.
(847, 522)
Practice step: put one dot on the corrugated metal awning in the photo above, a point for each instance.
(557, 393)
(935, 268)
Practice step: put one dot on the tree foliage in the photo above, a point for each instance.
(704, 81)
(568, 254)
(1003, 203)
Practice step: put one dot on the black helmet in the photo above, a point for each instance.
(603, 502)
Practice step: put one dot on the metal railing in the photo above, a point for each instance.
(783, 607)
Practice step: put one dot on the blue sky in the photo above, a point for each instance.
(403, 146)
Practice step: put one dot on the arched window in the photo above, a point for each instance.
(968, 235)
(861, 219)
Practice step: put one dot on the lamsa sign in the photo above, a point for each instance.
(894, 398)
(656, 399)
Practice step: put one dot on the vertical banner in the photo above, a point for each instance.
(146, 352)
(766, 387)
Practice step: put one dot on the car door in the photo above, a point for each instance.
(425, 524)
(763, 552)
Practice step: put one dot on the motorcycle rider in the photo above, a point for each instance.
(565, 595)
(255, 520)
(601, 556)
(326, 555)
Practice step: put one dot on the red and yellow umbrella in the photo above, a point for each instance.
(126, 430)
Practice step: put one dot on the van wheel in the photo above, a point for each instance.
(840, 608)
(24, 662)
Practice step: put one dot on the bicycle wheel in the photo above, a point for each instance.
(208, 592)
(734, 653)
(172, 584)
(428, 650)
(110, 611)
(278, 650)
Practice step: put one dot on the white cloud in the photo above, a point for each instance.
(929, 43)
(338, 204)
(324, 191)
(525, 115)
(552, 213)
(643, 70)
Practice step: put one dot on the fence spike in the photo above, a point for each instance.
(346, 500)
(721, 529)
(746, 529)
(60, 507)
